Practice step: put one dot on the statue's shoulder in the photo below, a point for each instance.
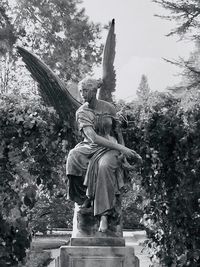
(84, 112)
(107, 107)
(82, 107)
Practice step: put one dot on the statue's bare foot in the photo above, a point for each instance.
(103, 227)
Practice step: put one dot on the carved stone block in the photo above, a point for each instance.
(81, 256)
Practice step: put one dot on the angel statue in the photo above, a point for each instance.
(96, 166)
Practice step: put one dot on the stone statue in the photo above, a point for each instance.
(97, 162)
(96, 166)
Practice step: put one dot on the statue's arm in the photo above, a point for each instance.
(101, 141)
(118, 132)
(116, 126)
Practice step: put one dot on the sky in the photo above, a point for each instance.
(141, 44)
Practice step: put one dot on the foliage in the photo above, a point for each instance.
(52, 212)
(34, 143)
(133, 205)
(143, 90)
(167, 137)
(50, 29)
(185, 13)
(7, 31)
(60, 28)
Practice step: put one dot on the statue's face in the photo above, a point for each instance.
(87, 94)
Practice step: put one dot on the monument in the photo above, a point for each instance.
(96, 167)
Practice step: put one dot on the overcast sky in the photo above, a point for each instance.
(141, 43)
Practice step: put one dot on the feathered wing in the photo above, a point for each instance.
(55, 92)
(109, 75)
(51, 88)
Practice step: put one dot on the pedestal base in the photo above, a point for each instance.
(81, 256)
(97, 242)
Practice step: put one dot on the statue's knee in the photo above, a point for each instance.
(104, 164)
(72, 153)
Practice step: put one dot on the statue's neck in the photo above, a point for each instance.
(93, 103)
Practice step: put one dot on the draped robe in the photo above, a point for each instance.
(100, 166)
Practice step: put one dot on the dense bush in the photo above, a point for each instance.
(34, 143)
(52, 212)
(167, 137)
(133, 202)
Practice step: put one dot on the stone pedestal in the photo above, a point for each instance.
(98, 252)
(98, 257)
(91, 248)
(97, 241)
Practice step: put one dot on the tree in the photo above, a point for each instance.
(7, 31)
(143, 90)
(59, 32)
(7, 40)
(187, 15)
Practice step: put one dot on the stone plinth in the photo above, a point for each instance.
(98, 241)
(97, 256)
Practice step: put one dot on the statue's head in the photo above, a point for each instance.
(88, 88)
(90, 83)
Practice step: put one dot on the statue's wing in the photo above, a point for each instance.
(109, 75)
(51, 88)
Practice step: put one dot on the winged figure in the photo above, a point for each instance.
(55, 92)
(95, 167)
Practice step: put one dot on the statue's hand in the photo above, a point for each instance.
(129, 153)
(139, 159)
(126, 165)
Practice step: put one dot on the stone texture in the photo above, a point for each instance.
(86, 224)
(79, 256)
(98, 241)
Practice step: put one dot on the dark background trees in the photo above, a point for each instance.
(186, 15)
(58, 32)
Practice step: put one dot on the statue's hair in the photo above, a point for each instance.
(90, 82)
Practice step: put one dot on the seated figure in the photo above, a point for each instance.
(94, 166)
